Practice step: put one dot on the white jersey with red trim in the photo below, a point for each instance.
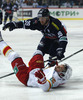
(51, 75)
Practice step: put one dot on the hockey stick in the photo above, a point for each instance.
(49, 60)
(7, 75)
(68, 56)
(71, 55)
(65, 57)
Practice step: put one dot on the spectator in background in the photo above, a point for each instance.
(35, 4)
(53, 2)
(39, 2)
(60, 3)
(81, 3)
(30, 2)
(21, 3)
(25, 1)
(17, 1)
(3, 1)
(44, 2)
(72, 3)
(67, 4)
(76, 2)
(15, 6)
(0, 3)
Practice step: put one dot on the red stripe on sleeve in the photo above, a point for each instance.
(6, 49)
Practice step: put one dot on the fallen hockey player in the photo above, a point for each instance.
(35, 75)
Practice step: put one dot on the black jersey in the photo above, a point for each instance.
(7, 7)
(54, 30)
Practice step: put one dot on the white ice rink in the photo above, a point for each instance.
(25, 42)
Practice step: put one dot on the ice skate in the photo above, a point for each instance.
(1, 39)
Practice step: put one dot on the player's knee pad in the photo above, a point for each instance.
(12, 56)
(36, 61)
(38, 52)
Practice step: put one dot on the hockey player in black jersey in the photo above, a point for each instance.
(54, 38)
(7, 7)
(15, 6)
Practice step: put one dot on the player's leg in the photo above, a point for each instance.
(36, 61)
(44, 45)
(52, 50)
(19, 67)
(36, 64)
(5, 18)
(11, 16)
(41, 45)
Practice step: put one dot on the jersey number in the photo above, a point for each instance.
(27, 23)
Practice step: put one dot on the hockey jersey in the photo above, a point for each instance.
(51, 75)
(54, 30)
(7, 7)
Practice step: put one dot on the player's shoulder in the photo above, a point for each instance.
(35, 20)
(55, 20)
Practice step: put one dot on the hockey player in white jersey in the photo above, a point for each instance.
(36, 75)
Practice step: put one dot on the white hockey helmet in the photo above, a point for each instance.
(67, 73)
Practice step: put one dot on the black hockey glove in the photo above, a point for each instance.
(52, 61)
(60, 53)
(10, 25)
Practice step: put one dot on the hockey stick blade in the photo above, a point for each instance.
(48, 60)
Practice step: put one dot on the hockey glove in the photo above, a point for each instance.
(41, 77)
(60, 54)
(11, 26)
(52, 61)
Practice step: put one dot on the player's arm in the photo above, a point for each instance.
(26, 24)
(46, 84)
(62, 37)
(36, 65)
(43, 83)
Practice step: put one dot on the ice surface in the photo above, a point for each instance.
(25, 42)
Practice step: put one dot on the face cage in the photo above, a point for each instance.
(62, 74)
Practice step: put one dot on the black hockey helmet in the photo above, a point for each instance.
(43, 12)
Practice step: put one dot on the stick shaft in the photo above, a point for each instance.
(7, 75)
(71, 55)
